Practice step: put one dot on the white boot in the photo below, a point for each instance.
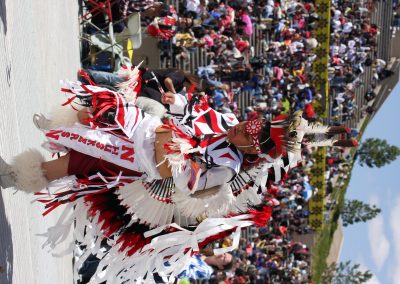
(59, 116)
(41, 122)
(24, 173)
(7, 177)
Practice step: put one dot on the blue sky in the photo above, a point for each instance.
(376, 244)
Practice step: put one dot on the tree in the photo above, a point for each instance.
(344, 273)
(355, 211)
(375, 152)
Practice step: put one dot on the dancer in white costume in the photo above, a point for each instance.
(155, 189)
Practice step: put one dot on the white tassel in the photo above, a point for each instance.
(76, 88)
(175, 247)
(176, 160)
(89, 235)
(60, 231)
(323, 143)
(315, 128)
(246, 198)
(138, 201)
(126, 88)
(216, 205)
(183, 220)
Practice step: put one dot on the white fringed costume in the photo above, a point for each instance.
(117, 197)
(148, 221)
(154, 225)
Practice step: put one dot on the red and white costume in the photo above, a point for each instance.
(117, 194)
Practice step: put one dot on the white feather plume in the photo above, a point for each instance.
(131, 77)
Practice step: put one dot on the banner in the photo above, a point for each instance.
(320, 65)
(320, 82)
(316, 203)
(96, 144)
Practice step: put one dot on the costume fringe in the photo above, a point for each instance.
(292, 121)
(175, 247)
(145, 207)
(133, 254)
(218, 204)
(60, 231)
(246, 199)
(131, 86)
(275, 164)
(88, 234)
(316, 128)
(323, 143)
(178, 149)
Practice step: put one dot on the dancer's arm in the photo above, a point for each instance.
(56, 169)
(162, 137)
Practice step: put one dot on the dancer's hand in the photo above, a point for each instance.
(168, 98)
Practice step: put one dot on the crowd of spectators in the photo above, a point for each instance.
(353, 48)
(278, 77)
(271, 255)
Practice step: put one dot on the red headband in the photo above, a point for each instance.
(253, 128)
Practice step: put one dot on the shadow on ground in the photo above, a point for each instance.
(6, 246)
(3, 15)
